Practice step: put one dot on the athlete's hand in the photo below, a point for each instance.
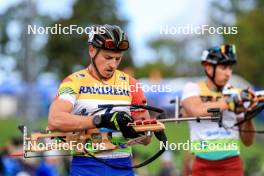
(253, 100)
(118, 121)
(241, 102)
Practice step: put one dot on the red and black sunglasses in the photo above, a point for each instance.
(111, 45)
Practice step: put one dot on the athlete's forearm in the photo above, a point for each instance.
(200, 109)
(247, 137)
(66, 122)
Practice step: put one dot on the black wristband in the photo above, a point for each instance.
(97, 121)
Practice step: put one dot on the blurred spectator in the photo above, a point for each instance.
(187, 164)
(140, 171)
(1, 165)
(129, 70)
(10, 166)
(49, 166)
(167, 165)
(155, 76)
(23, 173)
(15, 166)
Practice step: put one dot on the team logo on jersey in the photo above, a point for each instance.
(122, 77)
(80, 75)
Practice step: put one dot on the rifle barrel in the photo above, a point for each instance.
(188, 119)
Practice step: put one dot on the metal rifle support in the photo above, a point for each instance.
(215, 117)
(23, 130)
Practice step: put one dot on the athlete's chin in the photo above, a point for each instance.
(108, 75)
(223, 83)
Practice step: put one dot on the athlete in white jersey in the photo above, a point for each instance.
(216, 148)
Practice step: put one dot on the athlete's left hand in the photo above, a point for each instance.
(253, 100)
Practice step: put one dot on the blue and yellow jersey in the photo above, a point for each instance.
(85, 93)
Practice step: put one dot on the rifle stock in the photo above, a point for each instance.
(94, 136)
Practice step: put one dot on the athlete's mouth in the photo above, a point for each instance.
(226, 80)
(109, 70)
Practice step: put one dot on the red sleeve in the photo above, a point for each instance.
(137, 94)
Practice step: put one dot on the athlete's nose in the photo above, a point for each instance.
(228, 72)
(113, 64)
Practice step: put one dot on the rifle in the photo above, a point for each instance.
(254, 112)
(245, 95)
(96, 137)
(98, 141)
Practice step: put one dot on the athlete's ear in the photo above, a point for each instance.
(208, 68)
(92, 51)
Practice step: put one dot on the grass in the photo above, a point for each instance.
(8, 129)
(176, 133)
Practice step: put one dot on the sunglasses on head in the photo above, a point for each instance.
(121, 45)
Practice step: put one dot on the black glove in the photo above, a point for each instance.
(239, 102)
(117, 121)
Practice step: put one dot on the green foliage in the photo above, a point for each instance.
(249, 41)
(170, 59)
(164, 69)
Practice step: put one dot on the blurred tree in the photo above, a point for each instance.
(224, 12)
(17, 44)
(19, 48)
(249, 41)
(248, 17)
(67, 53)
(171, 58)
(159, 65)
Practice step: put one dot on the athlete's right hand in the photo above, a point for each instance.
(117, 121)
